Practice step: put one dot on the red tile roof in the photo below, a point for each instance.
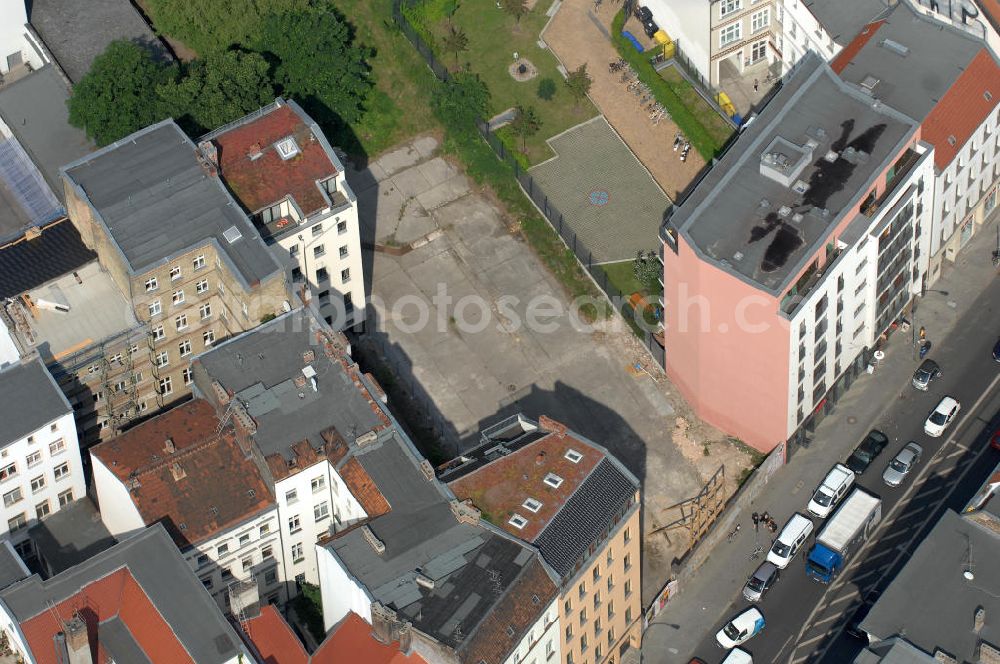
(274, 640)
(216, 487)
(116, 595)
(351, 642)
(499, 489)
(854, 47)
(264, 181)
(363, 488)
(963, 108)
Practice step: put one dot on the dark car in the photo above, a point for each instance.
(925, 373)
(650, 28)
(865, 453)
(643, 14)
(996, 351)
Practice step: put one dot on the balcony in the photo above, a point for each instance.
(798, 293)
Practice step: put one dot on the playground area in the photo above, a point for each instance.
(578, 35)
(605, 195)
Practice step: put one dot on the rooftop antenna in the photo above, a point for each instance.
(968, 574)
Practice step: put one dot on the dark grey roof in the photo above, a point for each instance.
(27, 264)
(12, 568)
(77, 31)
(893, 651)
(580, 521)
(260, 367)
(934, 577)
(34, 107)
(471, 566)
(116, 639)
(29, 400)
(843, 19)
(733, 217)
(156, 564)
(70, 536)
(158, 200)
(935, 56)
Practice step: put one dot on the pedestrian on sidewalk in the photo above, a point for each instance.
(756, 84)
(756, 520)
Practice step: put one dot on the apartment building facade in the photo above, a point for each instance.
(794, 256)
(189, 471)
(40, 465)
(537, 481)
(283, 171)
(176, 244)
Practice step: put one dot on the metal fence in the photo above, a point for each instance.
(538, 196)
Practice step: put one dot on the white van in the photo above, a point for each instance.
(738, 656)
(791, 539)
(834, 487)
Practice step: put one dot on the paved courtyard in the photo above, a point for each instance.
(604, 194)
(477, 361)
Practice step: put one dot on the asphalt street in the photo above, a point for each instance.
(805, 619)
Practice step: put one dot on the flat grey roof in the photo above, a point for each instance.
(116, 639)
(71, 536)
(157, 566)
(158, 199)
(933, 577)
(260, 367)
(762, 229)
(844, 19)
(12, 568)
(894, 651)
(471, 566)
(77, 31)
(935, 56)
(34, 107)
(97, 311)
(29, 400)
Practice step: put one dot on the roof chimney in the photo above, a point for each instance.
(169, 446)
(540, 458)
(77, 642)
(375, 542)
(210, 151)
(177, 471)
(979, 619)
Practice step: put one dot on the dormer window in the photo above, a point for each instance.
(553, 480)
(531, 505)
(287, 148)
(518, 521)
(573, 456)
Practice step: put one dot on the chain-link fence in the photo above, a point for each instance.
(538, 196)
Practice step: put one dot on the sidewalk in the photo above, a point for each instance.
(682, 625)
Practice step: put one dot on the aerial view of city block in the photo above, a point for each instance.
(499, 331)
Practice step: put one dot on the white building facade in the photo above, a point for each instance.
(18, 45)
(40, 466)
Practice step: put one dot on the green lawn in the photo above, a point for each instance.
(714, 124)
(493, 38)
(397, 109)
(622, 276)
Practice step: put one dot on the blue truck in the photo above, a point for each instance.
(846, 530)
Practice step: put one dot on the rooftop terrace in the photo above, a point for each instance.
(803, 164)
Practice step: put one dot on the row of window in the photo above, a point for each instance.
(166, 385)
(321, 511)
(16, 495)
(10, 471)
(317, 484)
(198, 263)
(734, 31)
(42, 510)
(178, 297)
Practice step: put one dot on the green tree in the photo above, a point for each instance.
(118, 95)
(215, 25)
(647, 269)
(455, 41)
(525, 124)
(315, 60)
(546, 89)
(461, 100)
(218, 89)
(578, 81)
(516, 8)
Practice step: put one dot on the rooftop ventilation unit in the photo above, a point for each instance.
(366, 439)
(796, 218)
(868, 84)
(738, 256)
(232, 234)
(895, 47)
(784, 211)
(800, 187)
(831, 156)
(425, 582)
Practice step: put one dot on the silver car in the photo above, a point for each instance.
(925, 373)
(760, 582)
(901, 464)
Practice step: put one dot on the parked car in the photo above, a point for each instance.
(902, 463)
(996, 351)
(790, 541)
(834, 487)
(995, 439)
(741, 629)
(643, 14)
(738, 656)
(760, 581)
(650, 28)
(865, 453)
(925, 373)
(942, 415)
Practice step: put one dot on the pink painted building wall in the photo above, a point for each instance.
(727, 349)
